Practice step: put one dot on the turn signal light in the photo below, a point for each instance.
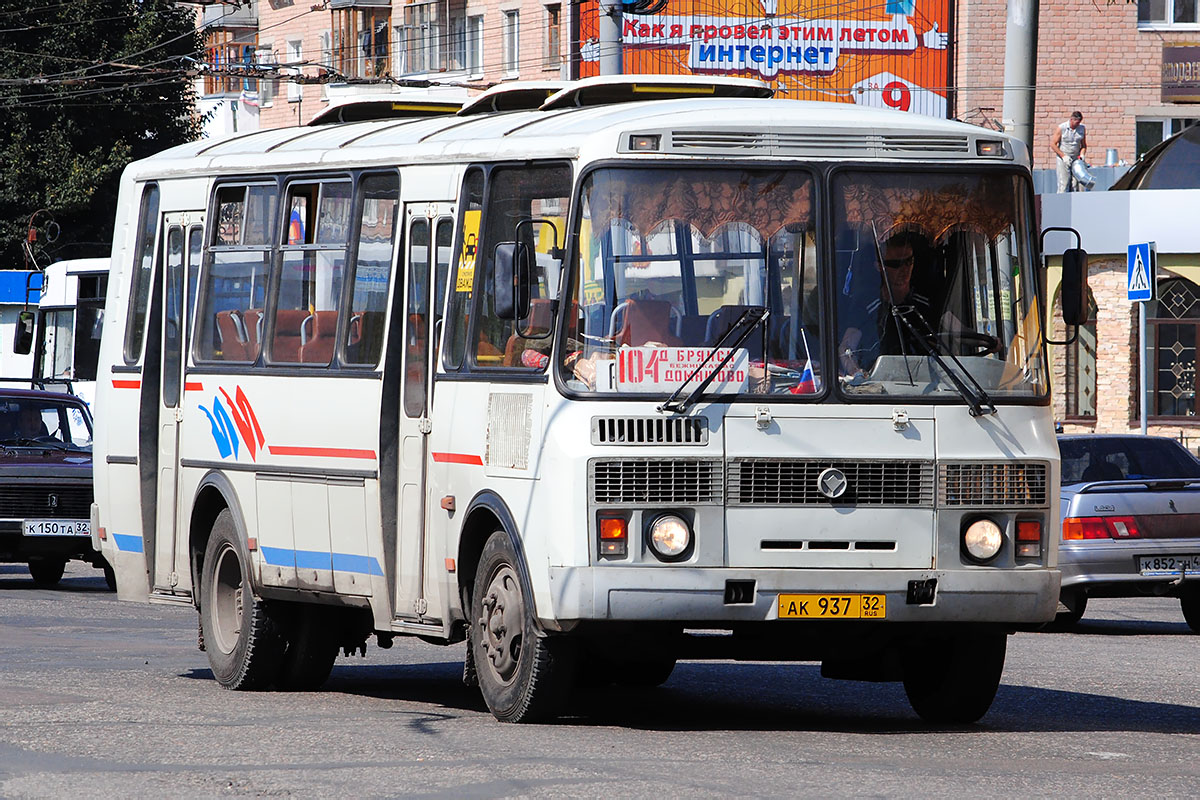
(1080, 528)
(614, 536)
(1029, 538)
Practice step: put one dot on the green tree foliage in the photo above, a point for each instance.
(86, 86)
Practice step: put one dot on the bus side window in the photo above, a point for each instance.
(458, 308)
(372, 268)
(308, 293)
(233, 286)
(526, 205)
(143, 268)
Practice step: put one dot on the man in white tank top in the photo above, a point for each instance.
(1069, 143)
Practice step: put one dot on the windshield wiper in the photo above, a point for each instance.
(975, 395)
(752, 318)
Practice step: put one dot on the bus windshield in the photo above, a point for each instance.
(934, 285)
(669, 261)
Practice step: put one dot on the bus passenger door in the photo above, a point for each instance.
(182, 235)
(427, 241)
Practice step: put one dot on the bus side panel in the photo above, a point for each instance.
(115, 440)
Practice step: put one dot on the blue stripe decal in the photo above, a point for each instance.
(312, 559)
(128, 543)
(347, 562)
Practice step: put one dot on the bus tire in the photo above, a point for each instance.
(110, 576)
(312, 647)
(953, 679)
(1076, 603)
(524, 676)
(1189, 602)
(244, 643)
(47, 572)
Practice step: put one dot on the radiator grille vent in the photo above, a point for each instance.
(649, 430)
(656, 480)
(33, 501)
(793, 482)
(788, 143)
(1002, 484)
(925, 144)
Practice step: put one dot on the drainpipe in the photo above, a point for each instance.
(609, 33)
(1020, 70)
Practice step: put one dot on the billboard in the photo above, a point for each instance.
(882, 53)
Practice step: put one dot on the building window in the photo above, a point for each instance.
(326, 63)
(1160, 13)
(1081, 368)
(553, 55)
(295, 53)
(1150, 132)
(227, 51)
(432, 38)
(1172, 328)
(475, 45)
(268, 85)
(361, 44)
(511, 34)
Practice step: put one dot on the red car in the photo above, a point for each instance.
(46, 483)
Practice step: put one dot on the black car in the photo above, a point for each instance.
(46, 483)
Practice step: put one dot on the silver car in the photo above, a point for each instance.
(1130, 522)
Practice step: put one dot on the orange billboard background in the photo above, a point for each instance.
(882, 53)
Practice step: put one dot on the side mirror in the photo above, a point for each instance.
(23, 333)
(1075, 287)
(511, 280)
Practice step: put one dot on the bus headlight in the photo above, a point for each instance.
(982, 540)
(670, 537)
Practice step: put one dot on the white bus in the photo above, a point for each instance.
(70, 319)
(595, 384)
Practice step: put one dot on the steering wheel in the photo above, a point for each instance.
(982, 343)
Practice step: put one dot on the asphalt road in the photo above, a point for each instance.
(107, 699)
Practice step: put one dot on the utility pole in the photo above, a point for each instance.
(1020, 70)
(609, 33)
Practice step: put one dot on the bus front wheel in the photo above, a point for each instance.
(953, 679)
(244, 643)
(524, 676)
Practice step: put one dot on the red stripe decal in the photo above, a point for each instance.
(126, 384)
(321, 452)
(458, 458)
(193, 386)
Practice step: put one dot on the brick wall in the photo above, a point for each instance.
(1091, 58)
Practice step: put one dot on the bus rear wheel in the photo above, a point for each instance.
(244, 643)
(953, 679)
(524, 676)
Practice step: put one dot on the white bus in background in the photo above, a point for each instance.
(70, 318)
(571, 381)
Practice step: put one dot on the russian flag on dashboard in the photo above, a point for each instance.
(808, 381)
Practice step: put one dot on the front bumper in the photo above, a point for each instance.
(697, 596)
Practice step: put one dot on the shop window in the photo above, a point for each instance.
(1173, 325)
(1081, 368)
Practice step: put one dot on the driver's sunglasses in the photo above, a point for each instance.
(898, 263)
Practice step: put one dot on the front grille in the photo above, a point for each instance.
(793, 482)
(649, 430)
(655, 480)
(999, 484)
(33, 501)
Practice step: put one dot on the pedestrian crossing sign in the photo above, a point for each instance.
(1140, 269)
